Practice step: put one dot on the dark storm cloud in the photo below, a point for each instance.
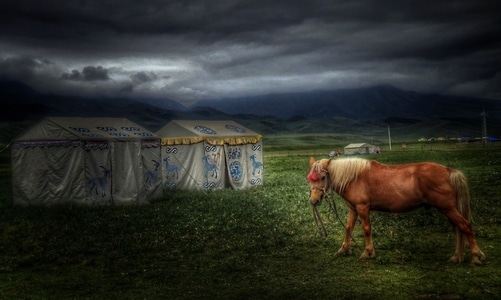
(21, 67)
(142, 77)
(89, 73)
(189, 50)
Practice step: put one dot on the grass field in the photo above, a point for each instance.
(259, 243)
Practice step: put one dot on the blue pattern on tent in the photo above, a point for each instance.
(234, 153)
(106, 128)
(204, 129)
(236, 170)
(131, 129)
(235, 128)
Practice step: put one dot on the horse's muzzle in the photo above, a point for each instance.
(316, 196)
(316, 202)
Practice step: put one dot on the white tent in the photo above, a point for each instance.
(360, 149)
(86, 161)
(210, 155)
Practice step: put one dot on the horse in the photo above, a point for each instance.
(367, 185)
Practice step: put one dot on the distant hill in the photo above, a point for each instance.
(379, 102)
(354, 112)
(368, 110)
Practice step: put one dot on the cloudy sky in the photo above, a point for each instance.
(191, 50)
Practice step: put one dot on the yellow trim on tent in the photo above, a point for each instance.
(181, 140)
(213, 141)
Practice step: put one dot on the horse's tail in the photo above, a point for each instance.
(460, 184)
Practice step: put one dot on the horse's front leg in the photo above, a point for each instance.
(350, 225)
(364, 213)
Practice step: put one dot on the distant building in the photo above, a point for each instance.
(361, 149)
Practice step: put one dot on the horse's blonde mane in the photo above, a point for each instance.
(345, 170)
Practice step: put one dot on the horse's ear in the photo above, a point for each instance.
(312, 161)
(326, 163)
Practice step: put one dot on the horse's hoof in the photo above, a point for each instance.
(367, 255)
(343, 252)
(477, 260)
(455, 260)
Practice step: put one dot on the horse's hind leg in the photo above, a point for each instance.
(350, 225)
(463, 227)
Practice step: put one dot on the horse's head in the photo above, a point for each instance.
(319, 180)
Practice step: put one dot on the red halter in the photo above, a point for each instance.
(315, 176)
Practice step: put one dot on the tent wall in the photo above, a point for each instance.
(213, 167)
(176, 162)
(152, 172)
(86, 161)
(99, 171)
(210, 155)
(115, 174)
(245, 165)
(39, 178)
(126, 178)
(124, 173)
(206, 166)
(195, 166)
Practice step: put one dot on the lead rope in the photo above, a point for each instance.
(333, 209)
(318, 220)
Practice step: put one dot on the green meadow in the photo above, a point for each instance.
(260, 243)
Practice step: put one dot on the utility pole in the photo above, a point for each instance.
(389, 137)
(484, 127)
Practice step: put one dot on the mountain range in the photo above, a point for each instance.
(365, 111)
(378, 102)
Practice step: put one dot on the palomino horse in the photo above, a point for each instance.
(367, 185)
